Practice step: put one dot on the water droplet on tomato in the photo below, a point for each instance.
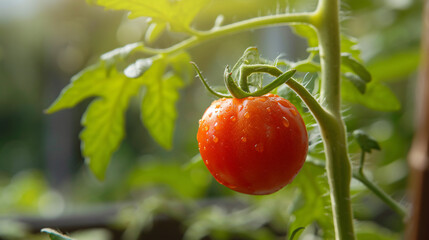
(247, 115)
(243, 139)
(259, 147)
(206, 162)
(215, 139)
(240, 107)
(262, 99)
(200, 121)
(204, 148)
(210, 114)
(216, 126)
(206, 128)
(217, 106)
(232, 118)
(285, 122)
(284, 104)
(268, 109)
(293, 111)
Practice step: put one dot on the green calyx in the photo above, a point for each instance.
(242, 90)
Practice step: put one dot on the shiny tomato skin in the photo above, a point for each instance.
(254, 145)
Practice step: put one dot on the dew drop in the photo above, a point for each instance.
(247, 115)
(204, 148)
(240, 107)
(217, 106)
(232, 118)
(206, 128)
(284, 104)
(268, 109)
(206, 162)
(216, 126)
(215, 139)
(210, 114)
(262, 99)
(259, 148)
(243, 139)
(200, 121)
(293, 111)
(285, 122)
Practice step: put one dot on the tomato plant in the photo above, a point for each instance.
(253, 145)
(250, 140)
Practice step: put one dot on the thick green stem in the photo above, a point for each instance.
(338, 167)
(202, 36)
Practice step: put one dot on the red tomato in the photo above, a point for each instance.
(254, 145)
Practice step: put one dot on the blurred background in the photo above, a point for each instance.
(151, 193)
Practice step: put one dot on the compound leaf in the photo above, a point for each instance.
(177, 13)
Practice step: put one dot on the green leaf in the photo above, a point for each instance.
(104, 121)
(396, 66)
(54, 235)
(177, 13)
(365, 141)
(90, 81)
(348, 61)
(182, 67)
(158, 110)
(377, 96)
(83, 85)
(356, 81)
(295, 232)
(308, 33)
(307, 67)
(348, 43)
(314, 203)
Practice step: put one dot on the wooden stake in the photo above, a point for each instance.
(418, 225)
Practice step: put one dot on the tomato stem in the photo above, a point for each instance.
(210, 89)
(338, 167)
(360, 175)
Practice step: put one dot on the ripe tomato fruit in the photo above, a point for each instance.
(253, 145)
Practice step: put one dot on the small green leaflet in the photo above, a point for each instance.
(104, 122)
(365, 141)
(158, 110)
(177, 13)
(314, 204)
(54, 235)
(354, 65)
